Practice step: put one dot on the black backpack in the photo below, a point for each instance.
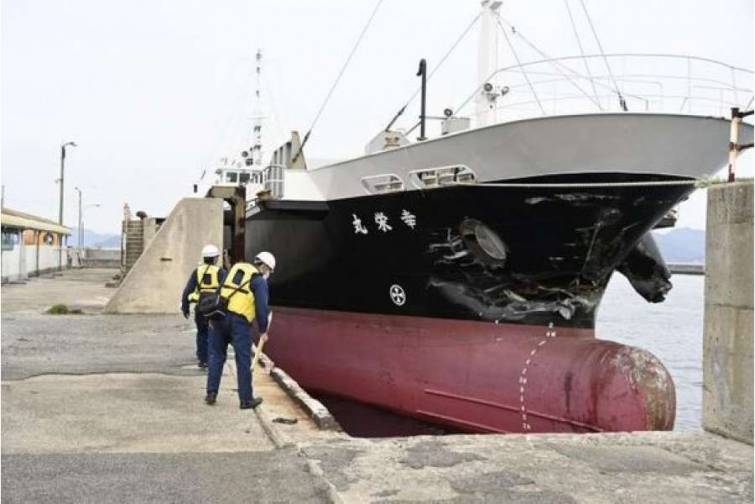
(212, 305)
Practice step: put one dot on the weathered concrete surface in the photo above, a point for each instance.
(73, 430)
(155, 282)
(659, 467)
(144, 434)
(314, 408)
(728, 330)
(124, 413)
(82, 288)
(264, 477)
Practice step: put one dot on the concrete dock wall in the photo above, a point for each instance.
(728, 328)
(101, 258)
(155, 282)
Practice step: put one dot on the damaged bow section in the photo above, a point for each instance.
(560, 265)
(646, 270)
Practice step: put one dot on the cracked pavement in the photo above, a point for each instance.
(109, 408)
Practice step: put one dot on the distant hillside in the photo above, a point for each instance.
(95, 239)
(683, 245)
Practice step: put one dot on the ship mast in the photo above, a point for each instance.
(487, 63)
(256, 154)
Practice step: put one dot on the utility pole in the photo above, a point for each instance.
(62, 178)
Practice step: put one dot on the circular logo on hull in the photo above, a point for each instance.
(398, 295)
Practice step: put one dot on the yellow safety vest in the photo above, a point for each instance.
(241, 303)
(207, 281)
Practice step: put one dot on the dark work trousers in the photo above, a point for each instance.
(235, 330)
(202, 335)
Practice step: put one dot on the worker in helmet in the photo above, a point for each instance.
(246, 292)
(206, 278)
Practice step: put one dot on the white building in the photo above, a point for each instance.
(31, 245)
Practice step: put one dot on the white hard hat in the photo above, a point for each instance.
(267, 259)
(210, 251)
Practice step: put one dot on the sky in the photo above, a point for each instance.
(154, 91)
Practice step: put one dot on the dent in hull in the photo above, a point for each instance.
(522, 255)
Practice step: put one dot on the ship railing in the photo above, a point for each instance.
(382, 183)
(660, 83)
(427, 178)
(274, 180)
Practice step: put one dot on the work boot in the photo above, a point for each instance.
(210, 398)
(251, 404)
(202, 365)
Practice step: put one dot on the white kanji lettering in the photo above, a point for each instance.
(408, 218)
(358, 226)
(382, 221)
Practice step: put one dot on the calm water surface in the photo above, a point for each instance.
(672, 331)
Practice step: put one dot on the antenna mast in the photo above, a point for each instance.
(487, 62)
(257, 118)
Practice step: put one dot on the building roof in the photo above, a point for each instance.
(21, 220)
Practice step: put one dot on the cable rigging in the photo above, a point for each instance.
(550, 60)
(622, 101)
(435, 69)
(340, 74)
(582, 51)
(518, 62)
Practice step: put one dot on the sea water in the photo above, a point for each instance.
(671, 330)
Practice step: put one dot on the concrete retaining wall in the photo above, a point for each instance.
(101, 258)
(155, 282)
(728, 333)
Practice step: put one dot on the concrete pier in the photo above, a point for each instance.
(108, 408)
(728, 333)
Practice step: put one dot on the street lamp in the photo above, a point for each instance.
(62, 177)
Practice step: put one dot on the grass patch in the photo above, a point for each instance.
(61, 309)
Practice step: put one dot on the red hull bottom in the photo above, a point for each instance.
(476, 376)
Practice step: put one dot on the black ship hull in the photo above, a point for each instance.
(534, 251)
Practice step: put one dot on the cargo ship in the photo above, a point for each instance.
(457, 279)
